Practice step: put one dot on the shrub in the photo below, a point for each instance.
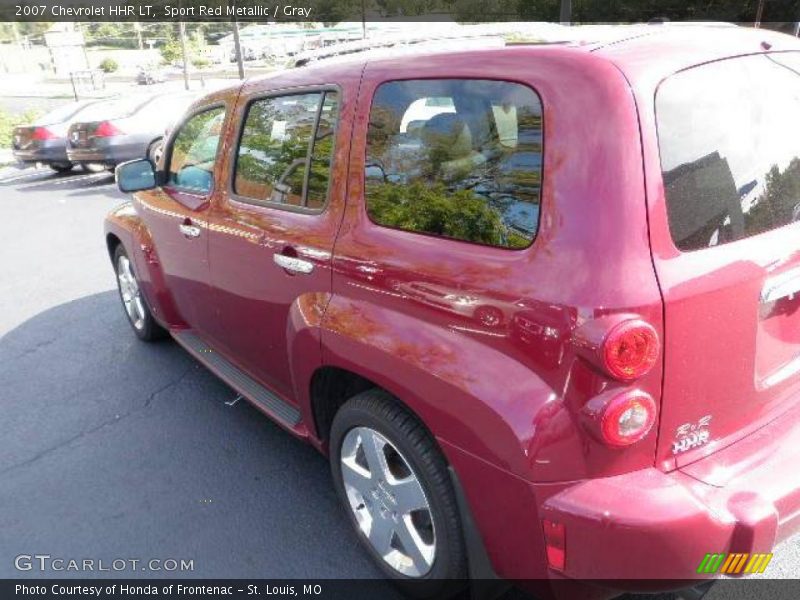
(8, 122)
(109, 65)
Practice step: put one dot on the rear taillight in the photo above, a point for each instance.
(555, 544)
(630, 349)
(42, 133)
(107, 129)
(627, 418)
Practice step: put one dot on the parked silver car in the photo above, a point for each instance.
(45, 140)
(125, 129)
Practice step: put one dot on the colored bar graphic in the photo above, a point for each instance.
(734, 563)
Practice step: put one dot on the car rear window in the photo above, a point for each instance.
(456, 158)
(729, 138)
(63, 113)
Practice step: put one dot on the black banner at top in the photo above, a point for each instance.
(464, 11)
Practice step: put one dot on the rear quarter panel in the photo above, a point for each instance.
(508, 400)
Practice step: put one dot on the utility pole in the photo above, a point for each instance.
(566, 12)
(363, 19)
(237, 44)
(182, 27)
(797, 29)
(137, 27)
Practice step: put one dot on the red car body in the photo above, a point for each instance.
(508, 405)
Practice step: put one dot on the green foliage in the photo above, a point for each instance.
(171, 51)
(200, 62)
(13, 31)
(434, 209)
(109, 65)
(781, 197)
(8, 122)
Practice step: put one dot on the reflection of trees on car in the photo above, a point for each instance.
(484, 184)
(780, 202)
(434, 209)
(273, 158)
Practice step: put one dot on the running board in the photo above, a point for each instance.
(236, 378)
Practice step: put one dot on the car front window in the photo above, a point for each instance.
(194, 151)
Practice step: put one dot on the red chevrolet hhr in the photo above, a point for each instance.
(540, 305)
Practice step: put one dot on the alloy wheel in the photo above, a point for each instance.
(131, 295)
(388, 502)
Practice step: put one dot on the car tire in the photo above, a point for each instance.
(61, 167)
(93, 167)
(133, 301)
(409, 454)
(489, 316)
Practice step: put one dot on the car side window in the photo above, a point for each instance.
(285, 151)
(194, 151)
(456, 158)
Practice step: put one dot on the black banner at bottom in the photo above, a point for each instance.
(330, 589)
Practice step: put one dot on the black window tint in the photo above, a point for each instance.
(729, 138)
(194, 151)
(322, 153)
(277, 141)
(456, 158)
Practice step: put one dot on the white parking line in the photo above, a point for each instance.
(67, 180)
(25, 176)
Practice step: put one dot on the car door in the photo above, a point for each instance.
(176, 214)
(272, 232)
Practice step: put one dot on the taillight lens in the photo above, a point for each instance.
(555, 544)
(630, 349)
(107, 129)
(42, 133)
(627, 418)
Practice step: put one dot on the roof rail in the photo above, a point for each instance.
(400, 42)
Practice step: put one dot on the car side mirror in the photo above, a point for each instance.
(136, 175)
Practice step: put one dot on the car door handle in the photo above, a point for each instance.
(782, 286)
(190, 231)
(293, 264)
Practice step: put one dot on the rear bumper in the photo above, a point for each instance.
(108, 152)
(654, 525)
(644, 530)
(48, 154)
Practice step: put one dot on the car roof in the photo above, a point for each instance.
(653, 51)
(669, 48)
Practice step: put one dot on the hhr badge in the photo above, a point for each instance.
(691, 435)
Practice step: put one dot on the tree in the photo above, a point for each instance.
(171, 51)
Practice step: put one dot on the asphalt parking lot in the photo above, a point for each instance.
(112, 448)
